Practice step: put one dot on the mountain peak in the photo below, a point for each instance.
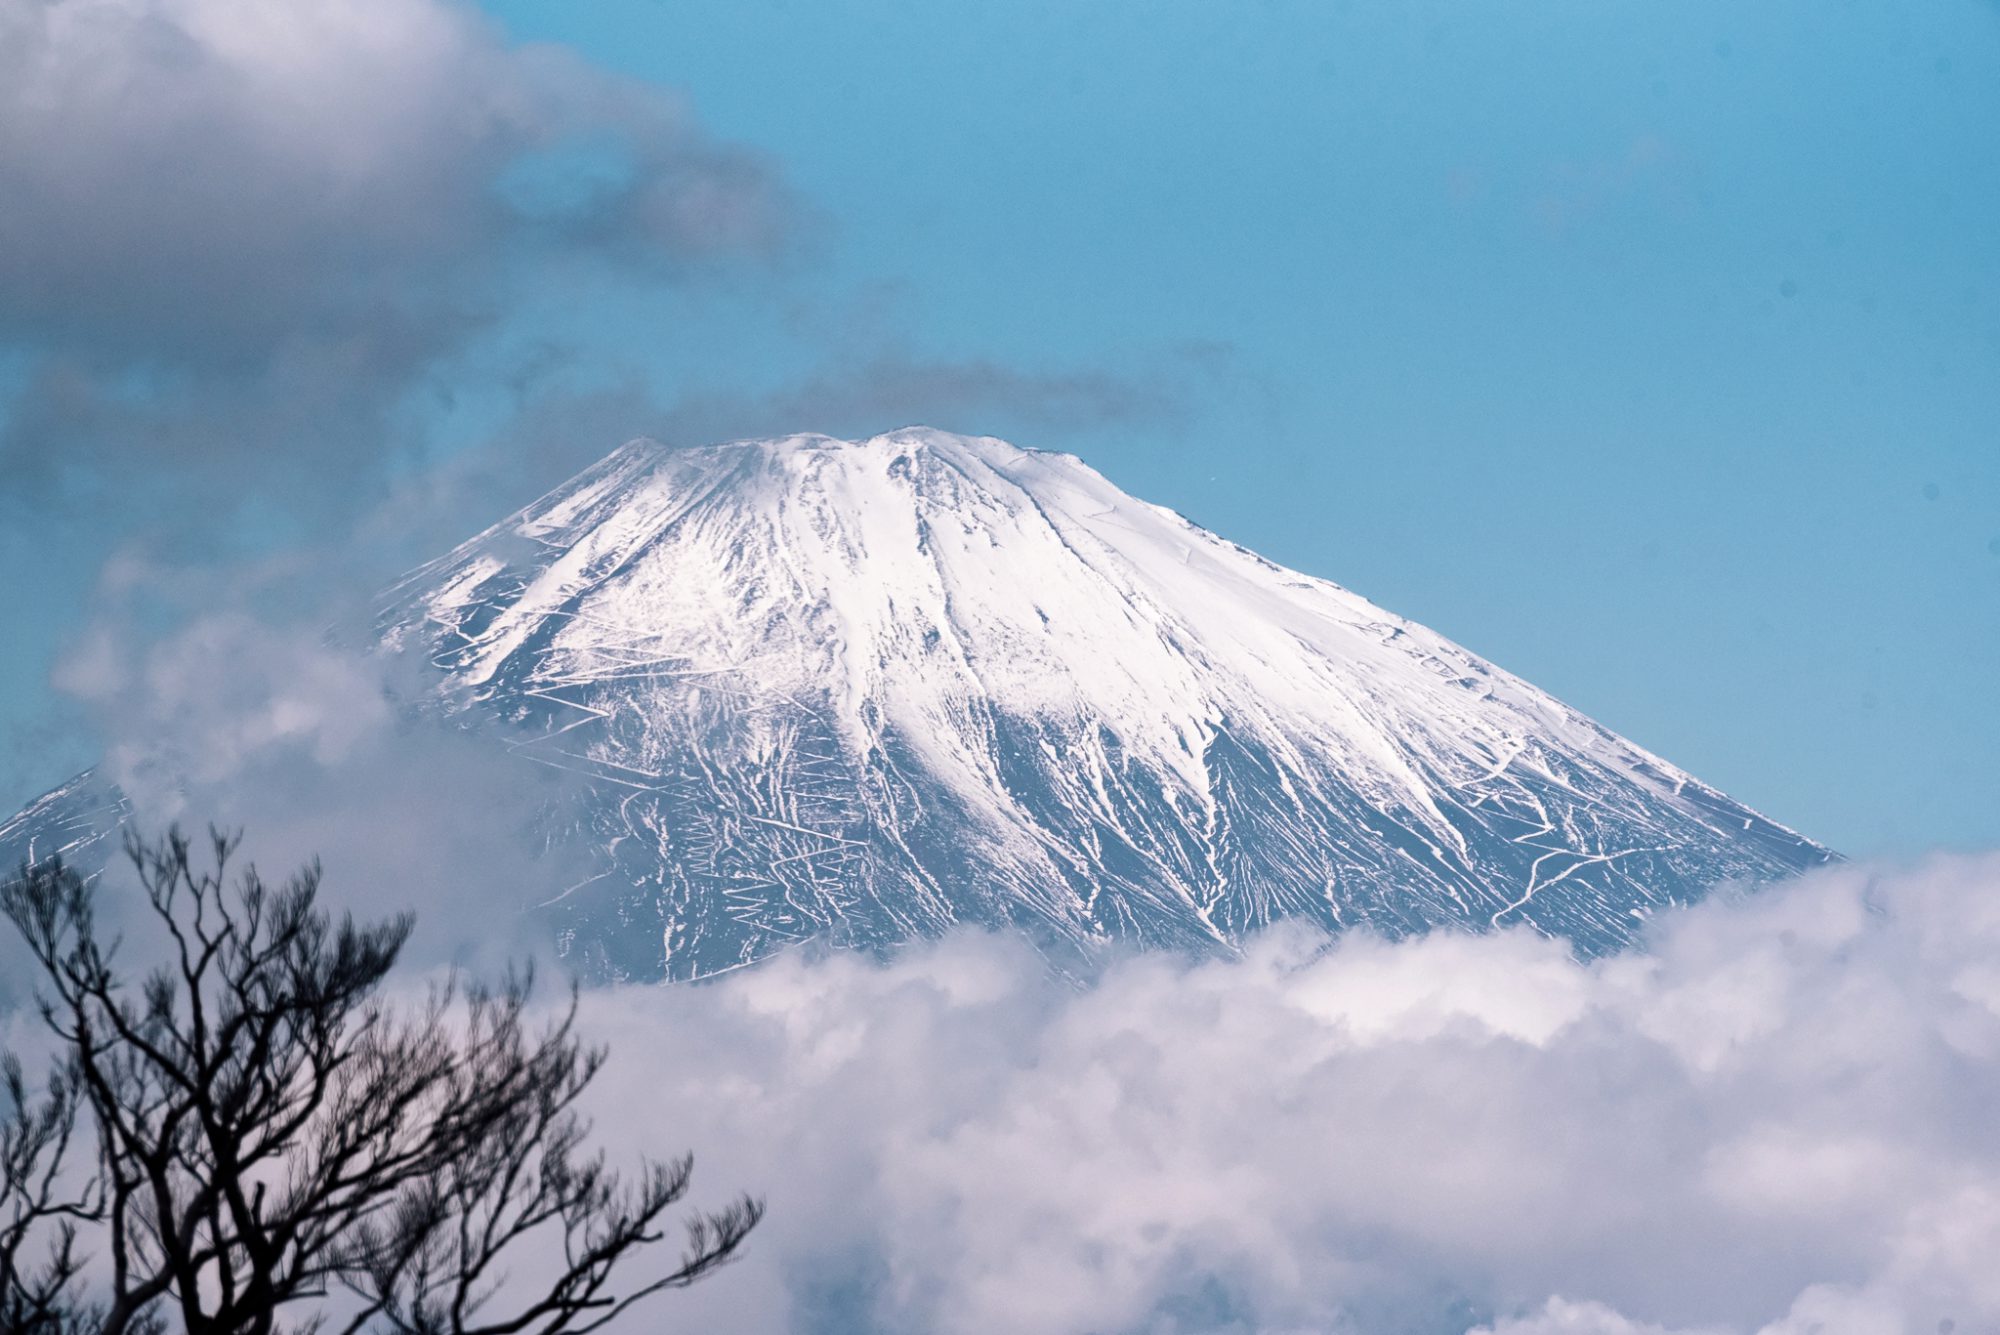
(913, 439)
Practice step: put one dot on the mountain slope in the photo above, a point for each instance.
(859, 691)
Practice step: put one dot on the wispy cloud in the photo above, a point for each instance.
(874, 386)
(295, 728)
(890, 389)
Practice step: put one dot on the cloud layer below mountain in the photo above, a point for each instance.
(1779, 1120)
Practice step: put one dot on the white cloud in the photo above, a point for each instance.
(1779, 1120)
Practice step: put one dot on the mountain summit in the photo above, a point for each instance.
(861, 691)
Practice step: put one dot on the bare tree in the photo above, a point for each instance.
(278, 1149)
(39, 1205)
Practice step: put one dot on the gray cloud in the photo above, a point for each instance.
(891, 389)
(189, 172)
(238, 234)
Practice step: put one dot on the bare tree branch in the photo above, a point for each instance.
(278, 1149)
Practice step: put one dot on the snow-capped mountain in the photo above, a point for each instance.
(865, 690)
(858, 692)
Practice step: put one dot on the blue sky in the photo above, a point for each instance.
(1652, 352)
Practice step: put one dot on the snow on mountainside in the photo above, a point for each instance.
(77, 822)
(864, 690)
(856, 692)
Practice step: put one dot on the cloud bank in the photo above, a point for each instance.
(1778, 1120)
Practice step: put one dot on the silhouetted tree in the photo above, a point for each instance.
(266, 1145)
(38, 1205)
